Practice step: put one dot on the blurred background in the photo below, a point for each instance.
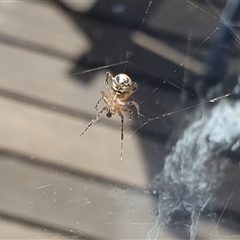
(54, 55)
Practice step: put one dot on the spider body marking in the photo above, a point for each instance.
(119, 89)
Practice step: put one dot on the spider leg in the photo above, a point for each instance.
(130, 115)
(96, 106)
(108, 74)
(103, 97)
(98, 116)
(136, 106)
(106, 98)
(122, 123)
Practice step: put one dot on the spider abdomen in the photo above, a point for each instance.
(123, 86)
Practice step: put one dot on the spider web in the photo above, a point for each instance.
(188, 129)
(181, 184)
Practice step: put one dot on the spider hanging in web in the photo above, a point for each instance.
(120, 89)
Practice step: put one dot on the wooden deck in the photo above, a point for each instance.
(53, 184)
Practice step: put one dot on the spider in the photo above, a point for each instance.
(120, 89)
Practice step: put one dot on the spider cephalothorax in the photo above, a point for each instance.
(120, 89)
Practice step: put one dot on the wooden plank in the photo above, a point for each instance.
(12, 230)
(80, 5)
(42, 24)
(76, 205)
